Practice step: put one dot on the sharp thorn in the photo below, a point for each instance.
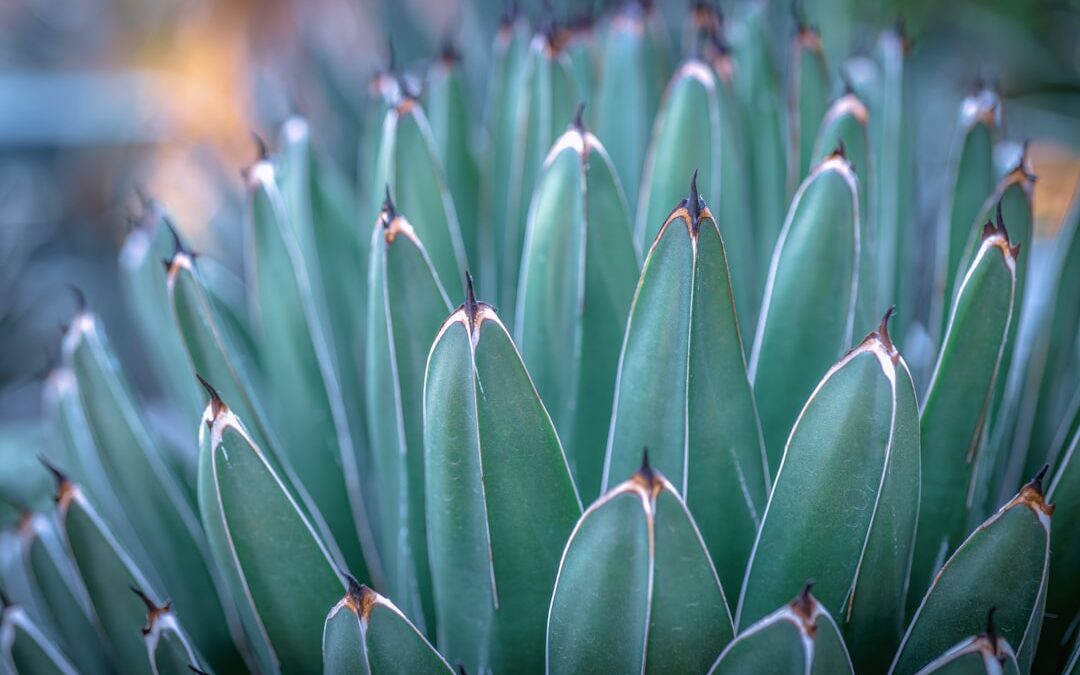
(646, 470)
(150, 606)
(57, 474)
(80, 298)
(693, 202)
(991, 632)
(216, 404)
(883, 328)
(262, 151)
(577, 121)
(389, 211)
(1037, 482)
(470, 296)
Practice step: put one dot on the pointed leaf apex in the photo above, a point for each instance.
(1037, 481)
(694, 202)
(1032, 495)
(577, 122)
(883, 334)
(80, 298)
(805, 605)
(358, 597)
(262, 151)
(389, 212)
(991, 632)
(470, 295)
(645, 470)
(150, 606)
(840, 151)
(178, 245)
(60, 477)
(217, 406)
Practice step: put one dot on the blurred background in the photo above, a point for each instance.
(106, 102)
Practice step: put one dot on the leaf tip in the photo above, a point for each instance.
(358, 597)
(1032, 495)
(805, 607)
(217, 406)
(262, 150)
(694, 203)
(577, 122)
(153, 611)
(80, 298)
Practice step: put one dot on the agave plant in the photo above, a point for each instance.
(679, 408)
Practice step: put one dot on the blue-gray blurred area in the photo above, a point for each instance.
(104, 100)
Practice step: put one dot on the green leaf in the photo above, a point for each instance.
(810, 93)
(409, 169)
(546, 105)
(986, 654)
(1063, 593)
(506, 97)
(957, 401)
(108, 573)
(146, 295)
(800, 638)
(583, 51)
(298, 363)
(841, 505)
(56, 582)
(447, 105)
(1002, 564)
(636, 590)
(971, 182)
(761, 96)
(407, 304)
(273, 560)
(682, 389)
(500, 499)
(365, 633)
(577, 280)
(166, 524)
(808, 312)
(27, 648)
(846, 128)
(631, 83)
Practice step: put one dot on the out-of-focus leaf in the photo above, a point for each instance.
(406, 306)
(800, 638)
(682, 389)
(272, 558)
(810, 93)
(27, 648)
(500, 499)
(365, 634)
(957, 401)
(577, 281)
(841, 505)
(808, 312)
(636, 590)
(1003, 565)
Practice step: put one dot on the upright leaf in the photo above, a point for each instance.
(577, 279)
(274, 562)
(1002, 564)
(841, 505)
(682, 389)
(365, 634)
(987, 653)
(170, 649)
(809, 99)
(631, 81)
(957, 401)
(406, 306)
(800, 638)
(811, 293)
(500, 499)
(636, 590)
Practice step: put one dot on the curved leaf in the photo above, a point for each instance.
(500, 499)
(577, 280)
(986, 653)
(841, 505)
(636, 590)
(811, 293)
(27, 648)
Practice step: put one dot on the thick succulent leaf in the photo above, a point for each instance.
(682, 389)
(761, 97)
(957, 401)
(1073, 665)
(57, 583)
(1063, 593)
(297, 361)
(500, 499)
(409, 168)
(406, 304)
(800, 638)
(27, 648)
(146, 294)
(109, 574)
(546, 105)
(447, 107)
(841, 509)
(506, 96)
(631, 82)
(383, 91)
(166, 522)
(365, 634)
(274, 561)
(979, 655)
(810, 293)
(636, 590)
(1002, 564)
(810, 93)
(971, 182)
(846, 127)
(577, 280)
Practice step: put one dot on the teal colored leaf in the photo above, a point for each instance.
(810, 94)
(984, 654)
(683, 392)
(577, 281)
(27, 648)
(636, 590)
(500, 499)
